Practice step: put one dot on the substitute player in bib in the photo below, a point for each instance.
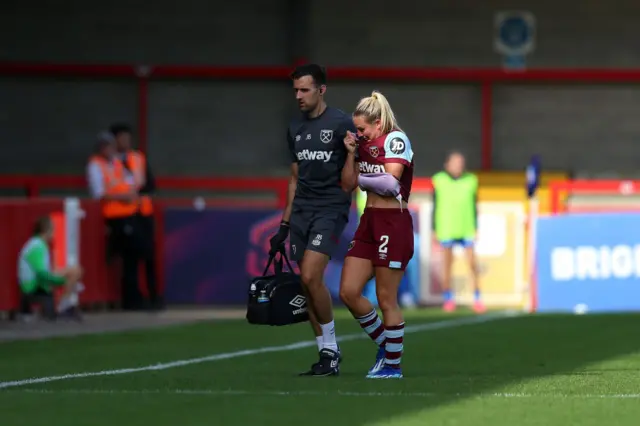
(318, 205)
(380, 161)
(455, 222)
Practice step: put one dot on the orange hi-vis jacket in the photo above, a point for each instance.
(114, 178)
(138, 165)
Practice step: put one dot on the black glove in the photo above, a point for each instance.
(277, 241)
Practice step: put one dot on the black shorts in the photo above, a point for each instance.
(316, 231)
(39, 297)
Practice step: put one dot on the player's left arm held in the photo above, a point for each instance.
(384, 184)
(398, 154)
(394, 169)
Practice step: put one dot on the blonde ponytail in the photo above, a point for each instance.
(376, 107)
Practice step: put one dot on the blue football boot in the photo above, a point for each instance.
(379, 361)
(386, 372)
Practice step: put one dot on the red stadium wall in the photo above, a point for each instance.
(17, 217)
(486, 78)
(101, 282)
(16, 223)
(20, 216)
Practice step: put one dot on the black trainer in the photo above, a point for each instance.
(327, 365)
(72, 313)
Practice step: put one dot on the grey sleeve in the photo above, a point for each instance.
(292, 147)
(351, 127)
(345, 126)
(96, 183)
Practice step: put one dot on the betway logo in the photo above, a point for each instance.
(306, 154)
(371, 168)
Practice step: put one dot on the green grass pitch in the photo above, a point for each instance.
(528, 370)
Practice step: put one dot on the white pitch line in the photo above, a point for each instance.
(267, 349)
(232, 392)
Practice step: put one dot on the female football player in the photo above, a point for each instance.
(381, 163)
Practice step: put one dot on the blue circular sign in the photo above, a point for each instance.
(515, 32)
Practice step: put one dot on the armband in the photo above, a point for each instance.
(381, 183)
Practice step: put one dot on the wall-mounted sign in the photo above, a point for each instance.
(514, 37)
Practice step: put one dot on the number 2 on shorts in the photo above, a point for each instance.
(384, 240)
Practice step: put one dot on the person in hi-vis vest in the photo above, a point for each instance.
(116, 189)
(136, 162)
(455, 223)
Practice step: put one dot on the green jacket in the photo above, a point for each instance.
(34, 270)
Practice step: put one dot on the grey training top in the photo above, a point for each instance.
(316, 144)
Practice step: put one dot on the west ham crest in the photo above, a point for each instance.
(326, 135)
(373, 151)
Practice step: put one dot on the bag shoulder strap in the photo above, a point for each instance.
(283, 255)
(278, 264)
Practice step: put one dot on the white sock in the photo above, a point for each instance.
(67, 302)
(71, 300)
(319, 342)
(63, 304)
(329, 336)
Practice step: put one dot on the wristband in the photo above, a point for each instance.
(284, 223)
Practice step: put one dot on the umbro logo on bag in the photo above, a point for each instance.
(298, 301)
